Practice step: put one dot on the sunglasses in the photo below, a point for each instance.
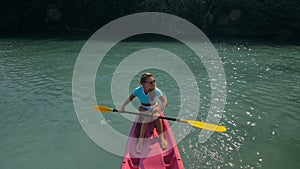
(151, 82)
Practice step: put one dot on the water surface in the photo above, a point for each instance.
(39, 127)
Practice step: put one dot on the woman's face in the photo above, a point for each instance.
(150, 83)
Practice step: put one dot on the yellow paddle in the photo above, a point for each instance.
(194, 123)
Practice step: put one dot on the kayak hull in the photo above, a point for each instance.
(152, 155)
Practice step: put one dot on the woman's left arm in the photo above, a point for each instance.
(158, 109)
(164, 103)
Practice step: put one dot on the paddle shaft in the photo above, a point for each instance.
(197, 124)
(149, 115)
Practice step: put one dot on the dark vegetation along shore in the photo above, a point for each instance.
(263, 19)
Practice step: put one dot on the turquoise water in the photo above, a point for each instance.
(40, 129)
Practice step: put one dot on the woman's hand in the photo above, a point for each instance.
(121, 110)
(156, 112)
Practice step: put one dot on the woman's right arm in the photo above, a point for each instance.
(127, 101)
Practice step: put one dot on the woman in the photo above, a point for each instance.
(147, 94)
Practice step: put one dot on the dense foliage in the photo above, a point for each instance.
(237, 18)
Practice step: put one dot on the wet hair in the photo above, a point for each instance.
(144, 77)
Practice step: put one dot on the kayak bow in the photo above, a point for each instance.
(152, 155)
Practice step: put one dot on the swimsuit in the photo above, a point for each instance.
(149, 107)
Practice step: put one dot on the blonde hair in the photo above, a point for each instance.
(144, 77)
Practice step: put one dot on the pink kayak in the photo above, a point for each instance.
(152, 155)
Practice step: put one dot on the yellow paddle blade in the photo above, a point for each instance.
(103, 109)
(205, 126)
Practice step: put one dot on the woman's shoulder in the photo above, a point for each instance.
(158, 91)
(156, 88)
(137, 89)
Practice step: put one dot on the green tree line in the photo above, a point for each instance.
(236, 18)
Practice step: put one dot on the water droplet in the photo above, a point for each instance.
(248, 113)
(103, 121)
(231, 164)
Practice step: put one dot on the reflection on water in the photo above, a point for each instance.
(263, 91)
